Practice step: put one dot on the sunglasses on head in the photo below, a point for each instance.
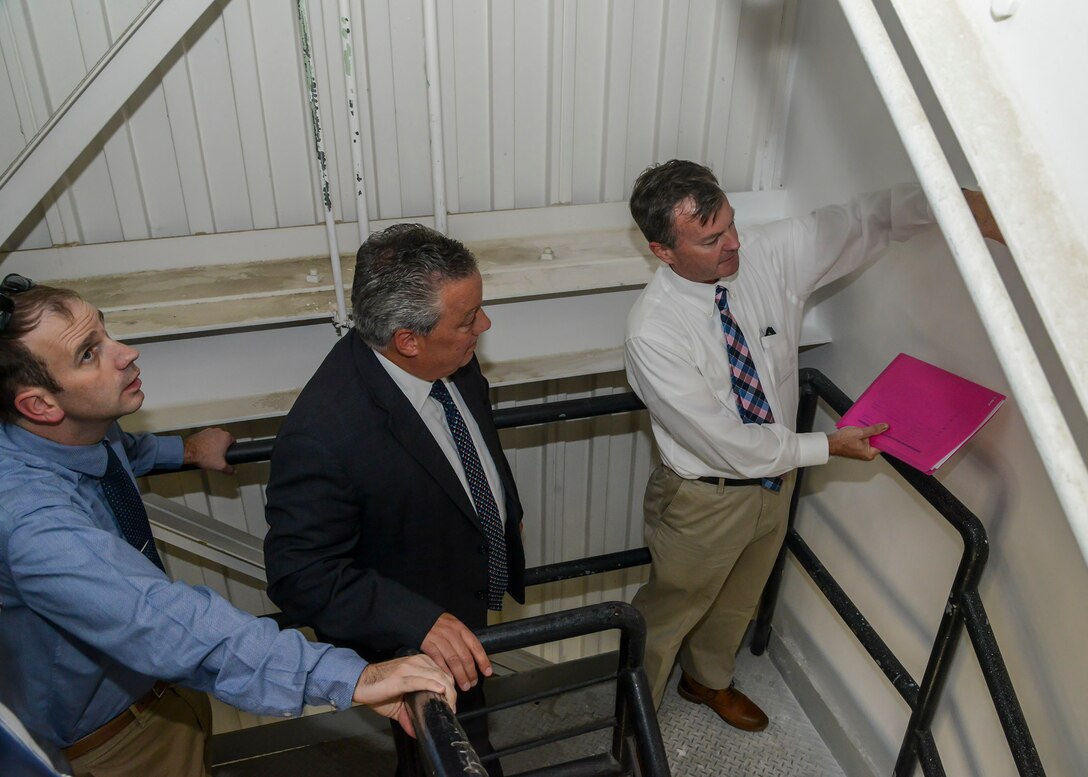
(12, 284)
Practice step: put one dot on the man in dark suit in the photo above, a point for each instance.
(393, 515)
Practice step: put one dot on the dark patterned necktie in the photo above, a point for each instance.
(128, 508)
(751, 401)
(482, 497)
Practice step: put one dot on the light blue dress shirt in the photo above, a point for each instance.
(88, 624)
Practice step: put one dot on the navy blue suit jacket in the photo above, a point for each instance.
(371, 534)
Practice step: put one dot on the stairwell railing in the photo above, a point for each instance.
(964, 608)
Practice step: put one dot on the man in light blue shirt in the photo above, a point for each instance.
(92, 631)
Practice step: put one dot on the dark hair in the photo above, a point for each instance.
(398, 274)
(19, 368)
(660, 188)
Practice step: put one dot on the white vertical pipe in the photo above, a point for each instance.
(353, 122)
(1048, 427)
(319, 145)
(434, 112)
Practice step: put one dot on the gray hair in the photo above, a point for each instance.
(399, 273)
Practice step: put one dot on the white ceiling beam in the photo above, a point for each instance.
(94, 101)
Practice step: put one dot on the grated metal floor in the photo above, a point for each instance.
(697, 742)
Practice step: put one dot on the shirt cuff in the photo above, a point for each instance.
(170, 452)
(813, 449)
(334, 678)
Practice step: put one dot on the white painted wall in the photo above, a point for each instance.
(887, 548)
(554, 101)
(544, 102)
(1042, 58)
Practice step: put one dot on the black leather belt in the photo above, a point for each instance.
(730, 481)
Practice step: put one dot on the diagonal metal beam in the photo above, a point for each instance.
(181, 527)
(1046, 422)
(95, 100)
(1044, 233)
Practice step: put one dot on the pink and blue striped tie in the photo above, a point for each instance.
(751, 401)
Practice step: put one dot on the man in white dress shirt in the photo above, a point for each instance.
(717, 506)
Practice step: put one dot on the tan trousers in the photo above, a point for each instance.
(713, 548)
(168, 739)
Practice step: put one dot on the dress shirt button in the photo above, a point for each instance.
(481, 594)
(481, 549)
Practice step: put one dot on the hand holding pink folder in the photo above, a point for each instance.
(930, 412)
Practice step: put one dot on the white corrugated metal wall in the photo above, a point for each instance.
(544, 102)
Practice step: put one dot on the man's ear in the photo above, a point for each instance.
(406, 343)
(663, 252)
(39, 405)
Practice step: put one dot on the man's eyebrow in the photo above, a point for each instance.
(92, 337)
(87, 342)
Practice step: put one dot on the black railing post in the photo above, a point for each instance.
(761, 631)
(1000, 684)
(442, 742)
(623, 714)
(632, 685)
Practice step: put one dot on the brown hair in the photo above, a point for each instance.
(19, 368)
(660, 188)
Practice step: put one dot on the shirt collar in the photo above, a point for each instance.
(85, 459)
(698, 295)
(415, 389)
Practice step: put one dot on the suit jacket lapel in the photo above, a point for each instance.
(405, 425)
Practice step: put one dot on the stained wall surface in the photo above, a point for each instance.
(887, 548)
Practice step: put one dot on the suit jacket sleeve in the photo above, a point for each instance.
(310, 550)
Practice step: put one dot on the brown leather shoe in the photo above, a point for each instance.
(732, 706)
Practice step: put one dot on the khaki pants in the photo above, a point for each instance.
(168, 739)
(713, 548)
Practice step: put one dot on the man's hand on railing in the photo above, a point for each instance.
(455, 648)
(852, 442)
(382, 686)
(207, 449)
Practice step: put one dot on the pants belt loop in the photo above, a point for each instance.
(721, 486)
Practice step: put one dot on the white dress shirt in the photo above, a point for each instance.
(418, 392)
(675, 350)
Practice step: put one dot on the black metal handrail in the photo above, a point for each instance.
(251, 451)
(964, 607)
(444, 746)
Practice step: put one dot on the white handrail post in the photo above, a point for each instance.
(353, 122)
(341, 320)
(434, 112)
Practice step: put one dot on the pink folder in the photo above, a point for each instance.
(930, 412)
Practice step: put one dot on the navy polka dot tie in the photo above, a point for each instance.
(482, 497)
(751, 401)
(128, 508)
